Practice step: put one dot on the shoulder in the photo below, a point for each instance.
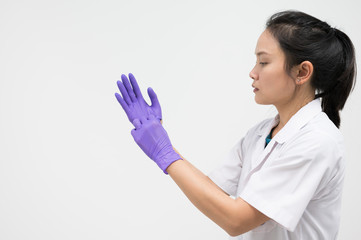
(322, 125)
(318, 139)
(322, 130)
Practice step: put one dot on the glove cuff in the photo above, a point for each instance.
(166, 160)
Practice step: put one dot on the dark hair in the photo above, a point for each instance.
(306, 38)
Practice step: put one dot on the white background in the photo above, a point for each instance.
(69, 168)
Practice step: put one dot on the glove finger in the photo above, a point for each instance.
(124, 93)
(137, 124)
(122, 103)
(155, 103)
(135, 86)
(129, 88)
(153, 97)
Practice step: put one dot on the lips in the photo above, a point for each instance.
(255, 89)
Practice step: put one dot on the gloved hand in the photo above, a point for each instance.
(152, 138)
(133, 102)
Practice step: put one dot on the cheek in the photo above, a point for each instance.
(285, 88)
(272, 78)
(277, 82)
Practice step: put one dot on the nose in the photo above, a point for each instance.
(252, 73)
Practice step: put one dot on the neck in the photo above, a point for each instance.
(290, 108)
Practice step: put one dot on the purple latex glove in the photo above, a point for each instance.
(152, 138)
(133, 102)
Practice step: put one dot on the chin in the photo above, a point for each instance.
(261, 101)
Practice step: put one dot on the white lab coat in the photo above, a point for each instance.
(296, 180)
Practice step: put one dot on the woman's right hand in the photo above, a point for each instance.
(133, 102)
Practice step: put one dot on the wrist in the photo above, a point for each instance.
(166, 160)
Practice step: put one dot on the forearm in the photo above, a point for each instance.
(205, 195)
(199, 172)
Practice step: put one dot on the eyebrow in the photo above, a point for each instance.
(262, 52)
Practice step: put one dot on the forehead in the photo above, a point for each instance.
(267, 45)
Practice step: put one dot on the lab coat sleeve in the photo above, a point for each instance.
(227, 174)
(286, 183)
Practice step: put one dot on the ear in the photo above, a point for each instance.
(305, 71)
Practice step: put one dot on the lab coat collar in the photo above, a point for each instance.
(297, 121)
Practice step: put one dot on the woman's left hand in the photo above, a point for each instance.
(153, 139)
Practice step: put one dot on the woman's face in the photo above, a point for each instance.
(271, 83)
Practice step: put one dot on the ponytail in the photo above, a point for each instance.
(335, 98)
(305, 38)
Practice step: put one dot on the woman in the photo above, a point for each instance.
(286, 174)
